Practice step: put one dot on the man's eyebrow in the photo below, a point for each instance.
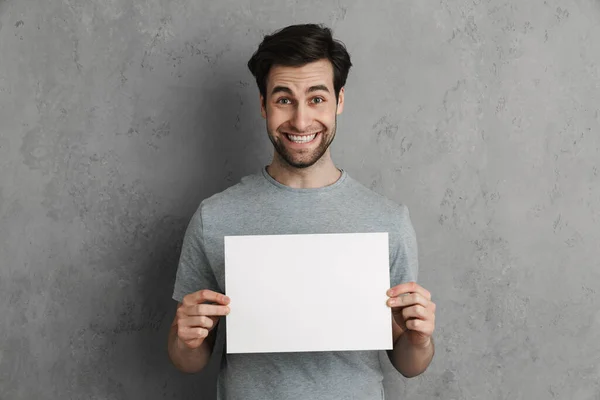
(316, 88)
(285, 89)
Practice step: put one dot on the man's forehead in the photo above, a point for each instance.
(302, 77)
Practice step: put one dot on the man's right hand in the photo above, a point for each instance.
(198, 314)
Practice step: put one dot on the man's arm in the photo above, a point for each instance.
(187, 359)
(413, 324)
(410, 359)
(192, 335)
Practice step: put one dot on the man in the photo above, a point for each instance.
(300, 72)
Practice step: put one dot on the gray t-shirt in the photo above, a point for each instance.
(259, 205)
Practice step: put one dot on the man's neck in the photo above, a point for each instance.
(322, 173)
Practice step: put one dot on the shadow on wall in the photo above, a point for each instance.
(227, 153)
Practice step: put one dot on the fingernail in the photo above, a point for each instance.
(390, 292)
(392, 302)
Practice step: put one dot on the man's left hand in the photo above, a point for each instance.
(414, 313)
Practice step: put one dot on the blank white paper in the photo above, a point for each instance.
(316, 292)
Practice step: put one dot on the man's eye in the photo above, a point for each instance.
(317, 100)
(283, 101)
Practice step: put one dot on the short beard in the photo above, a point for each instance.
(314, 157)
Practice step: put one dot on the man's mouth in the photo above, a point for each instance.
(301, 138)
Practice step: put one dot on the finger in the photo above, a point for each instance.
(187, 334)
(409, 287)
(206, 295)
(197, 322)
(419, 325)
(417, 311)
(210, 310)
(192, 344)
(409, 299)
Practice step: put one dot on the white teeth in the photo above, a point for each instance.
(301, 139)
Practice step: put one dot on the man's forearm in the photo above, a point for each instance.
(186, 359)
(409, 359)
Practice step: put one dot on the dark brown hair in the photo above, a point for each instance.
(296, 45)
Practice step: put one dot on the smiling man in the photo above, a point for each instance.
(301, 135)
(300, 72)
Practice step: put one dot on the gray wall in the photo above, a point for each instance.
(118, 117)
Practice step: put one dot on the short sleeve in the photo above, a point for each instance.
(404, 258)
(193, 271)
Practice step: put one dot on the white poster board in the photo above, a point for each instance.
(314, 292)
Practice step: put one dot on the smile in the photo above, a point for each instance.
(302, 138)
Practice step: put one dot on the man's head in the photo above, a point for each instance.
(301, 72)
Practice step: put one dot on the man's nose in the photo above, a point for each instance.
(301, 119)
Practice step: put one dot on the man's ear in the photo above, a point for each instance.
(263, 110)
(340, 105)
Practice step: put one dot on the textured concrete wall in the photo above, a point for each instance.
(118, 117)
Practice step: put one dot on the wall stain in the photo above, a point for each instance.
(43, 150)
(149, 130)
(384, 128)
(561, 14)
(452, 90)
(557, 223)
(339, 13)
(197, 48)
(160, 36)
(448, 206)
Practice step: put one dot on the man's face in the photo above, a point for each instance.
(301, 111)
